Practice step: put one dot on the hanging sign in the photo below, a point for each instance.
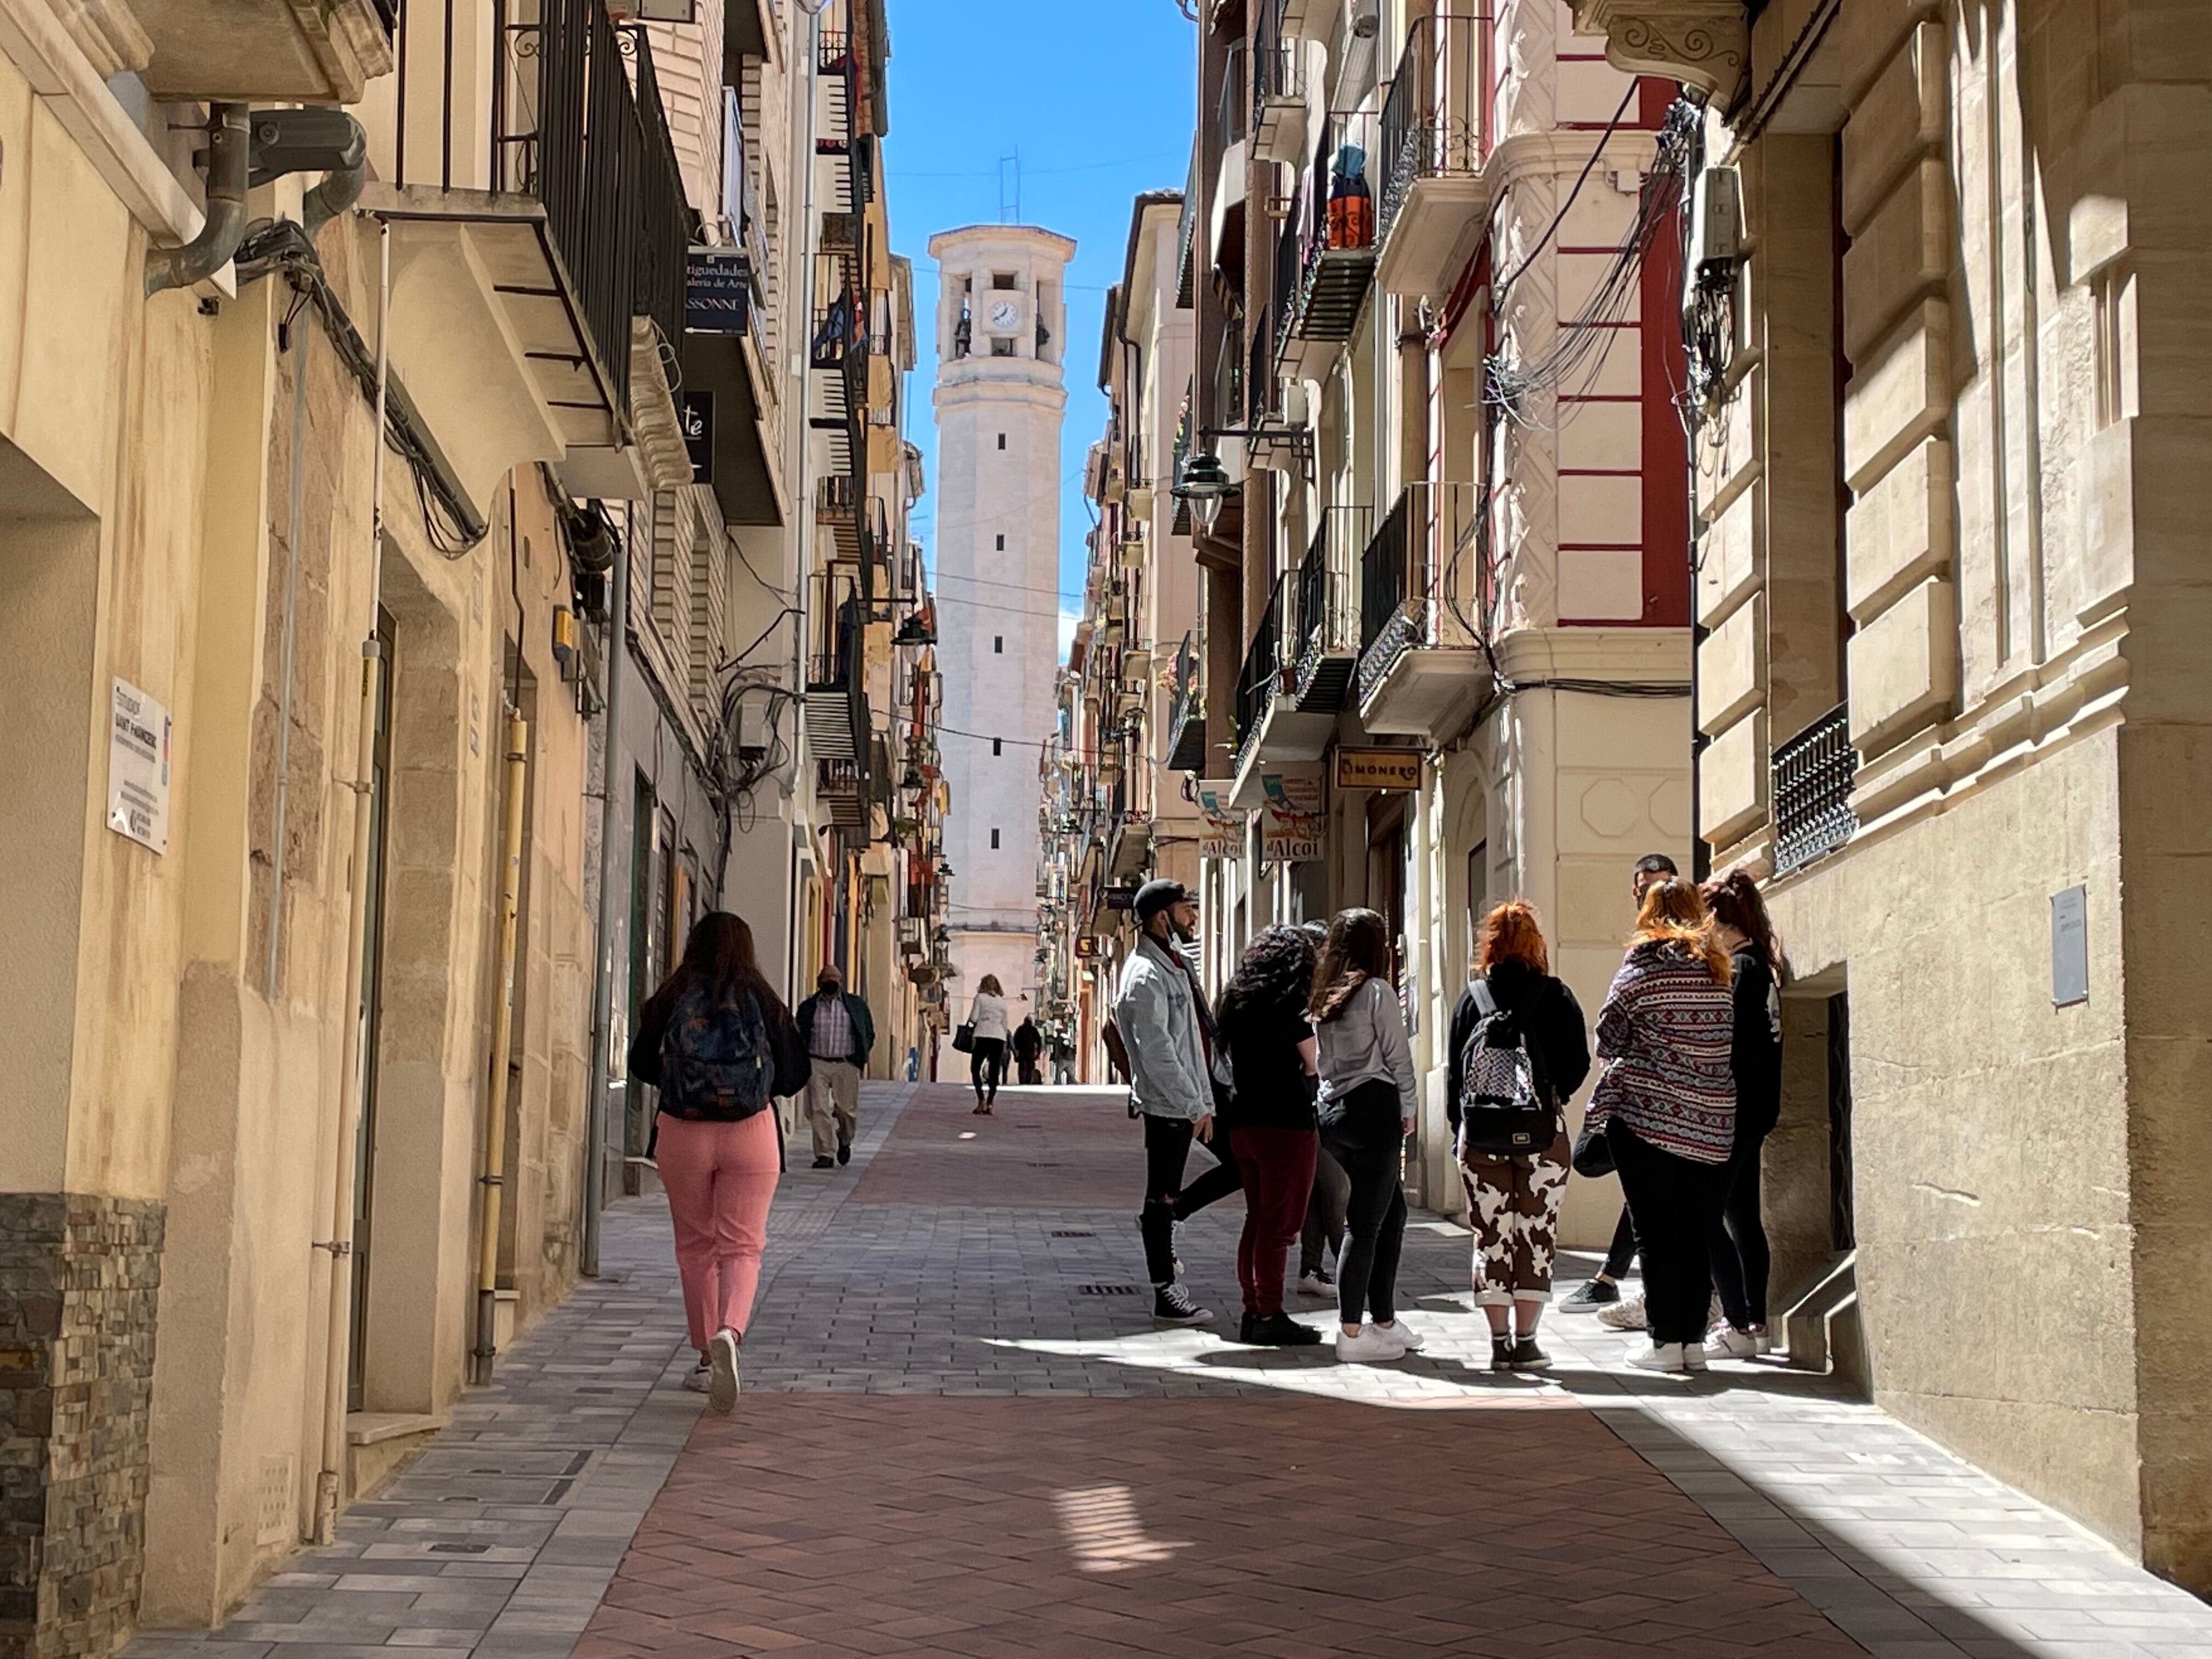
(1291, 826)
(1224, 825)
(138, 767)
(1378, 769)
(718, 291)
(698, 417)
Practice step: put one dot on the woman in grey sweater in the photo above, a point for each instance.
(1366, 1111)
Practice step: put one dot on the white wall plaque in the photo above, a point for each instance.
(138, 767)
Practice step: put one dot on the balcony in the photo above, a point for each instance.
(1270, 725)
(837, 350)
(1186, 714)
(1812, 791)
(539, 233)
(837, 669)
(1325, 255)
(1278, 88)
(1328, 611)
(1225, 238)
(1436, 139)
(280, 50)
(1422, 669)
(839, 163)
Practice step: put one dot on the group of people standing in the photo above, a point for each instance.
(1305, 1064)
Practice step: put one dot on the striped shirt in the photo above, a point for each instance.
(832, 1036)
(1666, 1032)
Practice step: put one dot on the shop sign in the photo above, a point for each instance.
(697, 415)
(718, 291)
(1224, 825)
(1378, 769)
(138, 767)
(1292, 828)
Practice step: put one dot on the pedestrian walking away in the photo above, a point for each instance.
(1367, 1104)
(838, 1032)
(1737, 1241)
(986, 1061)
(1600, 1293)
(1029, 1045)
(1161, 1013)
(1269, 1119)
(717, 1044)
(1517, 1051)
(1666, 1103)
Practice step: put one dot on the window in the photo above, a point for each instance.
(998, 645)
(1002, 440)
(1002, 544)
(995, 841)
(998, 746)
(1002, 348)
(1002, 279)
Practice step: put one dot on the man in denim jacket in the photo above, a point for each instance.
(1168, 1032)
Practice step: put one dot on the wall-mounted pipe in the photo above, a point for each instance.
(230, 148)
(613, 788)
(338, 191)
(494, 1177)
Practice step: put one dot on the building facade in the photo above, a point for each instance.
(1002, 347)
(400, 422)
(1949, 707)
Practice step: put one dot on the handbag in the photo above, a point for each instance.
(964, 1038)
(1593, 1154)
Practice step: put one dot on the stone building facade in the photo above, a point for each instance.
(1951, 697)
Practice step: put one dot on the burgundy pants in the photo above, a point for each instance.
(1277, 1166)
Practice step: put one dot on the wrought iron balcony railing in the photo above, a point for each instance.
(1435, 118)
(1260, 677)
(1812, 790)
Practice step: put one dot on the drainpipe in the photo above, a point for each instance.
(337, 192)
(603, 970)
(502, 1042)
(338, 1343)
(229, 153)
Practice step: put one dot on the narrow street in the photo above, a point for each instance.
(956, 1438)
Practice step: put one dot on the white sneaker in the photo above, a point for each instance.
(1623, 1315)
(696, 1379)
(1317, 1285)
(722, 1360)
(1724, 1341)
(1373, 1346)
(1408, 1339)
(1663, 1357)
(1693, 1356)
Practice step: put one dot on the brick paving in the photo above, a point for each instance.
(954, 1441)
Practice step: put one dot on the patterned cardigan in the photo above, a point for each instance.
(1666, 1033)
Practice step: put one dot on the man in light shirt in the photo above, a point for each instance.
(838, 1032)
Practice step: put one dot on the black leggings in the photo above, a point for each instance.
(1324, 1228)
(1677, 1204)
(1167, 1199)
(1368, 1143)
(1622, 1251)
(986, 1065)
(1738, 1242)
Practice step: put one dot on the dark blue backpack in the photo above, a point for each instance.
(715, 1063)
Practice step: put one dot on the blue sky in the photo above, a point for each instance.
(1095, 98)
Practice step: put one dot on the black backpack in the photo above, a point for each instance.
(1505, 1103)
(717, 1065)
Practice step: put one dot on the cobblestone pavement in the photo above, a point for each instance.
(955, 1441)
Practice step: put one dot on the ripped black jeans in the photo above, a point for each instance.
(1167, 1199)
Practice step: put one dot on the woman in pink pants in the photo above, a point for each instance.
(710, 1039)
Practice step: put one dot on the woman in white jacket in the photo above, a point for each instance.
(986, 1062)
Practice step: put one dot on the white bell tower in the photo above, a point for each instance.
(1001, 345)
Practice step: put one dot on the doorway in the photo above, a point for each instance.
(372, 1012)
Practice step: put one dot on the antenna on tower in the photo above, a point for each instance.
(1010, 189)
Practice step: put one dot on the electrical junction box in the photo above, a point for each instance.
(1716, 221)
(753, 731)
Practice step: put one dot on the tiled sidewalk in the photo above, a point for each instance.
(994, 1258)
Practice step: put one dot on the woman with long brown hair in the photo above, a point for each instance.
(1737, 1243)
(987, 1062)
(1366, 1108)
(720, 1046)
(1667, 1105)
(1518, 1051)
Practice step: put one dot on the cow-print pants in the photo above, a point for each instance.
(1513, 1205)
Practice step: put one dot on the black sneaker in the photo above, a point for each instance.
(1281, 1331)
(825, 1163)
(1589, 1297)
(1527, 1357)
(1501, 1353)
(1244, 1327)
(844, 1150)
(1171, 1305)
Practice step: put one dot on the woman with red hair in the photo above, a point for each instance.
(1518, 1051)
(1666, 1102)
